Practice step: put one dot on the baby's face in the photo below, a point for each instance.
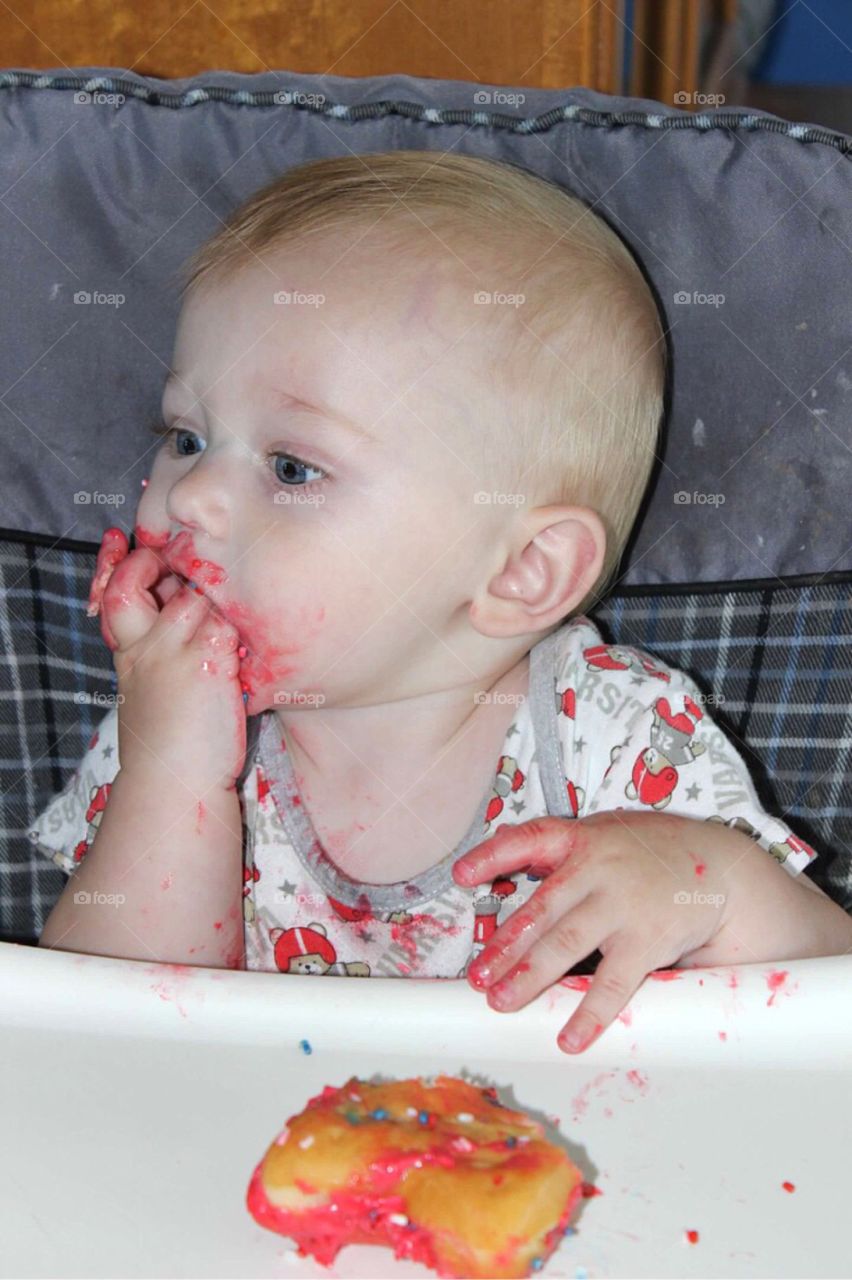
(320, 480)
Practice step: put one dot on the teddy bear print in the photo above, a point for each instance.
(98, 797)
(307, 950)
(487, 908)
(509, 779)
(616, 657)
(655, 774)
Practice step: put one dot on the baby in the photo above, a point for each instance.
(363, 726)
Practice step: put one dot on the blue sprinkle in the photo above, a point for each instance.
(353, 1117)
(536, 1264)
(570, 1231)
(423, 1117)
(511, 1142)
(379, 1114)
(191, 586)
(245, 697)
(304, 1045)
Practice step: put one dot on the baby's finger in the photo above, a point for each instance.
(129, 609)
(559, 894)
(113, 548)
(575, 935)
(541, 843)
(617, 979)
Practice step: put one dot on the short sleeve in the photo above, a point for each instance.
(66, 828)
(651, 743)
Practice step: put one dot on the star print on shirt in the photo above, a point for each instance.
(287, 888)
(579, 744)
(693, 792)
(107, 752)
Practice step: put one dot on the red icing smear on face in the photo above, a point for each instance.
(262, 662)
(665, 975)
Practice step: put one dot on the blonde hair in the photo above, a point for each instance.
(579, 365)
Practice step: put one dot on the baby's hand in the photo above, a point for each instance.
(181, 713)
(620, 882)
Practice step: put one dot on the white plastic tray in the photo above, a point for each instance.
(136, 1099)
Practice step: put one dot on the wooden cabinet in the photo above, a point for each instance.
(540, 43)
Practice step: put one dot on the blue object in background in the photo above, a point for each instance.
(810, 43)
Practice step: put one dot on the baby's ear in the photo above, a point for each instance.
(557, 559)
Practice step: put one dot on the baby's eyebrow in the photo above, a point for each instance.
(286, 400)
(281, 399)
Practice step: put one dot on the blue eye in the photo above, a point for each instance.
(289, 469)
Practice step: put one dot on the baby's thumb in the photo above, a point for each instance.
(129, 609)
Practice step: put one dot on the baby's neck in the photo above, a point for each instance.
(391, 789)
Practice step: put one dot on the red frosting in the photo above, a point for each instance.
(353, 1217)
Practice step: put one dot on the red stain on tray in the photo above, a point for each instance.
(691, 1236)
(639, 1080)
(589, 1190)
(775, 981)
(789, 1186)
(723, 1035)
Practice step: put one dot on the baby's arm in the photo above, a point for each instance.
(768, 914)
(162, 879)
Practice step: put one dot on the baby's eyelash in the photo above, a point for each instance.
(158, 428)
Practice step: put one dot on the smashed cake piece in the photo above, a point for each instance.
(438, 1170)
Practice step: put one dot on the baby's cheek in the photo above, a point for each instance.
(276, 649)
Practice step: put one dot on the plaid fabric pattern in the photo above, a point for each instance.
(773, 658)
